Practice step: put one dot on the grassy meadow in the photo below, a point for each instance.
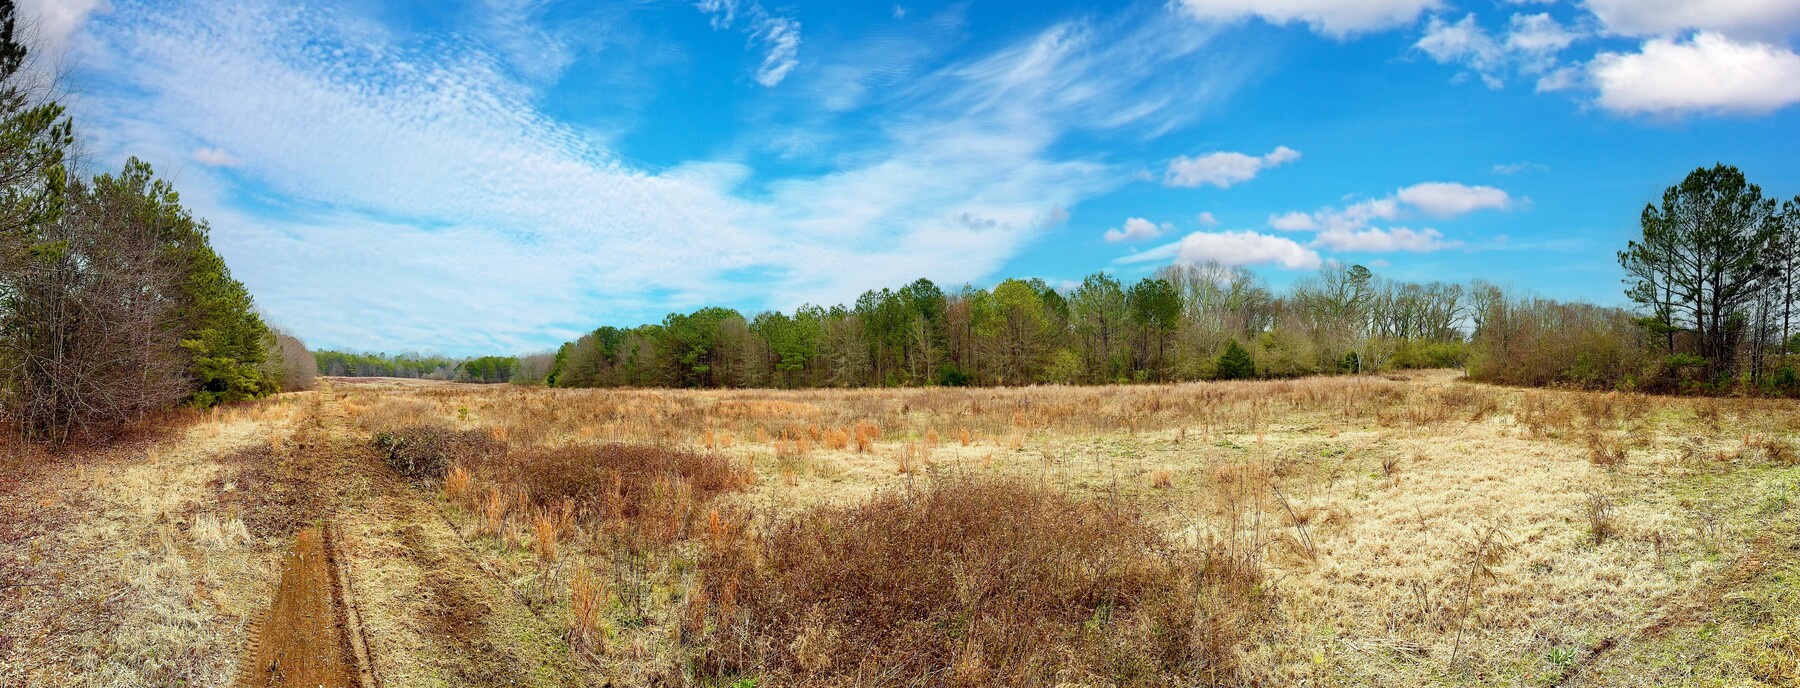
(1404, 530)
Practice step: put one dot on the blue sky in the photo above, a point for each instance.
(499, 176)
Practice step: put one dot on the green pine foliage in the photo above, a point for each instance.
(113, 304)
(1235, 363)
(227, 341)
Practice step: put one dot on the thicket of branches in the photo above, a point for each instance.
(113, 304)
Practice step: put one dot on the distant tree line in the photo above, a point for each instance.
(1715, 276)
(405, 365)
(486, 369)
(113, 304)
(1187, 322)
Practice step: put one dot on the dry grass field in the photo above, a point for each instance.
(1348, 531)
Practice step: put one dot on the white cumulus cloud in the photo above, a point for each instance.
(1766, 19)
(1335, 18)
(1245, 248)
(1294, 221)
(1532, 45)
(1224, 168)
(1351, 227)
(1709, 74)
(1375, 240)
(215, 157)
(1136, 229)
(1445, 199)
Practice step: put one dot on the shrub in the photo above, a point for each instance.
(425, 452)
(657, 488)
(969, 582)
(1602, 523)
(1605, 451)
(952, 375)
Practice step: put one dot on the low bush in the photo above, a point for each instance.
(990, 582)
(426, 452)
(650, 494)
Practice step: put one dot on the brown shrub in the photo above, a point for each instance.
(1771, 449)
(625, 484)
(425, 452)
(1605, 451)
(970, 582)
(1602, 523)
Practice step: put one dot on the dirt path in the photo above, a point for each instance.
(304, 640)
(383, 592)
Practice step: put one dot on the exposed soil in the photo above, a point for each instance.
(304, 639)
(430, 613)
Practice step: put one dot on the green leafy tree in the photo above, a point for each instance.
(1098, 313)
(1017, 330)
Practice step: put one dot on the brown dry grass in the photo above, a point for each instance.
(1408, 531)
(1359, 496)
(971, 582)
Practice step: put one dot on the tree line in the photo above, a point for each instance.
(113, 304)
(1186, 322)
(485, 369)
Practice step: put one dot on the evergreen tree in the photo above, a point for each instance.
(1235, 363)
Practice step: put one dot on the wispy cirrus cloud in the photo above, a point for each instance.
(56, 21)
(383, 188)
(1336, 18)
(776, 35)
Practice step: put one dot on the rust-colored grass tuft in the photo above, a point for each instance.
(1162, 478)
(587, 602)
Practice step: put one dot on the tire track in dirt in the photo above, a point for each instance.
(410, 602)
(311, 634)
(304, 640)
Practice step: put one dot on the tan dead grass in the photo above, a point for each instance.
(1367, 500)
(1369, 489)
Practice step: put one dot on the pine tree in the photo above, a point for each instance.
(1235, 363)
